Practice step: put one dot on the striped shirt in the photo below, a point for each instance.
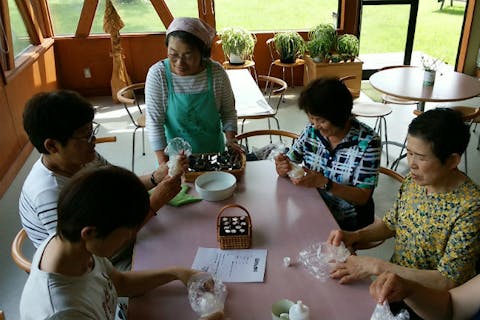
(38, 200)
(156, 97)
(354, 162)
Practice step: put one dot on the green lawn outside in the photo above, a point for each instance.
(383, 27)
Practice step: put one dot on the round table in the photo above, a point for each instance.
(407, 83)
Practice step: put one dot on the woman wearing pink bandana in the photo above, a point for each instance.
(188, 95)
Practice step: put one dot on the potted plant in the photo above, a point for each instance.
(237, 44)
(321, 41)
(430, 66)
(318, 49)
(289, 45)
(331, 55)
(348, 47)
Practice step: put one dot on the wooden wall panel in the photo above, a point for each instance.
(10, 147)
(72, 56)
(34, 76)
(37, 77)
(140, 51)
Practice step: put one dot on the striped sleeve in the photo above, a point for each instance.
(156, 98)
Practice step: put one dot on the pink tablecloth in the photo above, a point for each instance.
(285, 218)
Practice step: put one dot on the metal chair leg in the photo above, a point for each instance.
(400, 156)
(386, 138)
(291, 73)
(133, 149)
(143, 141)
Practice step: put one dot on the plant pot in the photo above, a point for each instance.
(317, 59)
(315, 70)
(429, 77)
(288, 59)
(235, 59)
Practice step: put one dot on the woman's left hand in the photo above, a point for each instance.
(311, 179)
(354, 268)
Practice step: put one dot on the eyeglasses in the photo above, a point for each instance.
(187, 57)
(91, 135)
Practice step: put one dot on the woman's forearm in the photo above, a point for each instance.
(354, 195)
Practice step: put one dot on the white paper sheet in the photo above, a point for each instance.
(246, 265)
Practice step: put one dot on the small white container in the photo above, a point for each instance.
(216, 185)
(299, 311)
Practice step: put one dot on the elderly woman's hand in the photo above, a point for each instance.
(389, 287)
(348, 238)
(312, 179)
(282, 164)
(354, 268)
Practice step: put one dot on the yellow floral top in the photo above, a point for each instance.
(439, 231)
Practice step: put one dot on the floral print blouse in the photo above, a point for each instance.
(438, 231)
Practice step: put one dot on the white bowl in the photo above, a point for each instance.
(215, 185)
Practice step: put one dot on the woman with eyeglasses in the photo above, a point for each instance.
(188, 95)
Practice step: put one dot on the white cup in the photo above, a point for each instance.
(281, 308)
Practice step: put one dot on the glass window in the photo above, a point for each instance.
(384, 30)
(275, 15)
(20, 37)
(65, 15)
(438, 31)
(141, 16)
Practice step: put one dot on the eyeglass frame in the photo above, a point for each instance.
(91, 135)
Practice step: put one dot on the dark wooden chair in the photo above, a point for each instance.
(397, 177)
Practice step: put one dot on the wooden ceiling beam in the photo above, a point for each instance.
(206, 11)
(86, 18)
(30, 21)
(7, 41)
(163, 12)
(42, 12)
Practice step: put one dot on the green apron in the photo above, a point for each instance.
(194, 116)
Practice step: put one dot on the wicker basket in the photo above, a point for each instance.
(238, 173)
(231, 241)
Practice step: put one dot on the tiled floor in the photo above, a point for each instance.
(115, 122)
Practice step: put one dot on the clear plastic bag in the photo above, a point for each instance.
(206, 294)
(296, 172)
(318, 258)
(382, 312)
(173, 150)
(270, 151)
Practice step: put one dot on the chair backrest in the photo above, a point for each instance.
(393, 174)
(263, 136)
(271, 49)
(355, 93)
(274, 88)
(17, 251)
(469, 114)
(132, 95)
(395, 66)
(387, 198)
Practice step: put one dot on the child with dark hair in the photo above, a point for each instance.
(71, 278)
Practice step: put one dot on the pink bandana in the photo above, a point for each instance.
(195, 26)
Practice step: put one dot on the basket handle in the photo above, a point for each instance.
(232, 205)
